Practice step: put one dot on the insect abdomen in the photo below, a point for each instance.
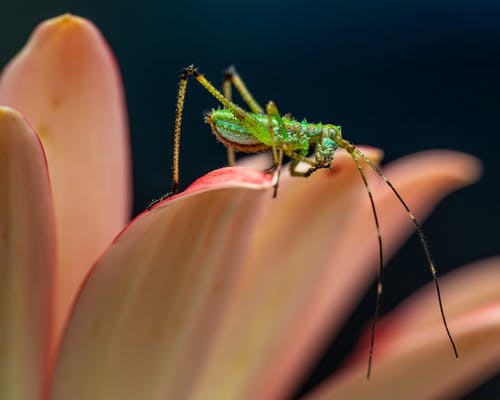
(232, 133)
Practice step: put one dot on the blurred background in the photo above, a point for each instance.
(402, 76)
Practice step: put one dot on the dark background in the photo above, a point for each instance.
(400, 75)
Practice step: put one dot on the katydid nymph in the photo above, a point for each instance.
(266, 129)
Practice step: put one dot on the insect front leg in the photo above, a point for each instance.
(298, 158)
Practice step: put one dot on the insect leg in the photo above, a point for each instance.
(231, 76)
(272, 112)
(177, 130)
(251, 123)
(296, 159)
(228, 94)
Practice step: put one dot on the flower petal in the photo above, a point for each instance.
(415, 361)
(66, 83)
(146, 315)
(314, 251)
(27, 259)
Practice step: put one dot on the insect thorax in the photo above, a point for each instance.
(292, 135)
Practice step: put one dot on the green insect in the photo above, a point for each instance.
(260, 130)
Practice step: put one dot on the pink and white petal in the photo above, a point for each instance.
(66, 82)
(313, 253)
(27, 259)
(417, 362)
(145, 317)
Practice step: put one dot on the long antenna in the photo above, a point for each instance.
(380, 270)
(432, 266)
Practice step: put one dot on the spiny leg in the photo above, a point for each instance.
(381, 266)
(177, 130)
(259, 130)
(177, 139)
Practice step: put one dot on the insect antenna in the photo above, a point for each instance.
(381, 266)
(381, 263)
(355, 153)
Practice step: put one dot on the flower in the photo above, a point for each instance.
(218, 292)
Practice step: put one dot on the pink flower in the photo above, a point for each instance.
(219, 292)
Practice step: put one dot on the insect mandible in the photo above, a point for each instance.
(266, 129)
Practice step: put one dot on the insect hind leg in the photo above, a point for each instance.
(242, 115)
(273, 113)
(231, 76)
(226, 89)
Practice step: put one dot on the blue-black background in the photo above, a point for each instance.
(400, 75)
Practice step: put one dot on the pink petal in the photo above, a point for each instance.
(146, 315)
(414, 360)
(67, 84)
(313, 253)
(27, 259)
(255, 337)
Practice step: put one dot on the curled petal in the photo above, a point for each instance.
(145, 317)
(415, 361)
(66, 83)
(27, 258)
